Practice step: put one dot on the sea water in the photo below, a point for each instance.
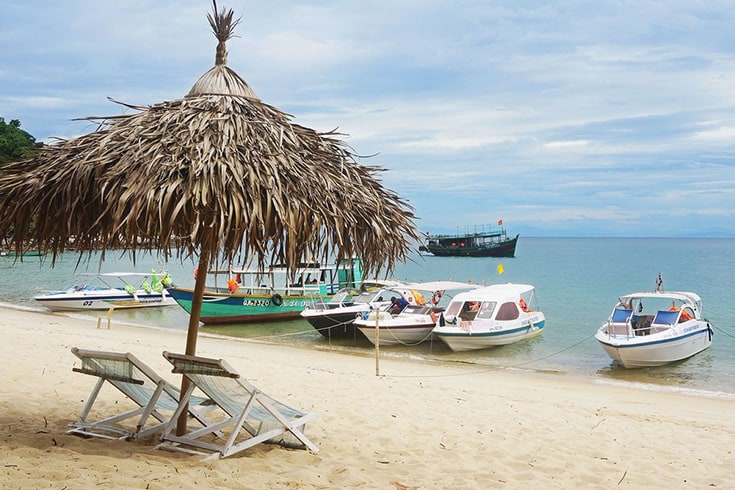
(577, 280)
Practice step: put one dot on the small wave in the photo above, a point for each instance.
(667, 388)
(92, 315)
(16, 306)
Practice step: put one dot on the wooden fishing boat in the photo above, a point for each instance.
(482, 242)
(260, 295)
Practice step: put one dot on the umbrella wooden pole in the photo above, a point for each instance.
(196, 306)
(193, 331)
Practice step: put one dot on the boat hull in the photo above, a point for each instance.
(233, 308)
(335, 319)
(461, 341)
(335, 324)
(396, 334)
(653, 350)
(103, 301)
(505, 248)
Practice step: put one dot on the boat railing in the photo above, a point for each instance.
(640, 325)
(295, 290)
(620, 323)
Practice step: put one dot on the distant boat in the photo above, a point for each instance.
(256, 295)
(486, 242)
(27, 253)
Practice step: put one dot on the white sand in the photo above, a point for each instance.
(419, 425)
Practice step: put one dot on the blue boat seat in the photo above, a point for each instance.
(621, 315)
(665, 318)
(618, 324)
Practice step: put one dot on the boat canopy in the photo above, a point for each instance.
(496, 292)
(442, 286)
(117, 274)
(384, 283)
(683, 296)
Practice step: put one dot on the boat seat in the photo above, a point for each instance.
(664, 320)
(621, 315)
(667, 318)
(642, 324)
(618, 323)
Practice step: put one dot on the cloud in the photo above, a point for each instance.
(560, 117)
(566, 144)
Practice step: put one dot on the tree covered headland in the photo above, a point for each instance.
(15, 143)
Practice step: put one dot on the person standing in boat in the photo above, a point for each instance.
(397, 305)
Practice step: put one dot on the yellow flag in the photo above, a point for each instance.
(500, 269)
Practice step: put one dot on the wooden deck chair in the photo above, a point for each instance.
(248, 416)
(100, 319)
(155, 398)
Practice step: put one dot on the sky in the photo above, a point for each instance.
(564, 118)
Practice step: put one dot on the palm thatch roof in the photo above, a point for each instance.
(218, 174)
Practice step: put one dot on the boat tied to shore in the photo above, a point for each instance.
(260, 295)
(655, 328)
(499, 314)
(482, 241)
(136, 290)
(414, 323)
(335, 318)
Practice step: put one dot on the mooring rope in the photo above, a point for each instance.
(489, 368)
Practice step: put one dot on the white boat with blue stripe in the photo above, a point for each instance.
(490, 316)
(655, 328)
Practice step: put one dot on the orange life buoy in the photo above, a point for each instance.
(436, 297)
(523, 305)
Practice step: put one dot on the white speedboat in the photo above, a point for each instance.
(137, 290)
(494, 315)
(335, 318)
(414, 324)
(655, 328)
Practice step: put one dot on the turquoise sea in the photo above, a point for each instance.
(577, 280)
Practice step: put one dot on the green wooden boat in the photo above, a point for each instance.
(254, 295)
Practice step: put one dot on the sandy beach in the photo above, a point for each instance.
(418, 425)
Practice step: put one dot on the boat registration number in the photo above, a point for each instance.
(266, 302)
(256, 302)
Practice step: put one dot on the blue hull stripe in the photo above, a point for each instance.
(656, 342)
(498, 333)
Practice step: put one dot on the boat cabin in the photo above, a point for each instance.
(310, 279)
(502, 302)
(651, 313)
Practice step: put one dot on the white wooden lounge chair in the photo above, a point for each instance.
(248, 416)
(154, 397)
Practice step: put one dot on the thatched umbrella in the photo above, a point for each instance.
(218, 174)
